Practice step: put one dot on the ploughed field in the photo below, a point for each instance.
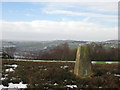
(45, 75)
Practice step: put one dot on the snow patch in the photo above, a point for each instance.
(55, 84)
(11, 85)
(6, 75)
(100, 87)
(93, 62)
(1, 87)
(14, 65)
(109, 62)
(3, 78)
(45, 69)
(9, 70)
(45, 48)
(20, 85)
(71, 86)
(64, 67)
(117, 75)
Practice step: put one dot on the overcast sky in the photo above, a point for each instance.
(59, 21)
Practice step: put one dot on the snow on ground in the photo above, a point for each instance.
(3, 78)
(45, 69)
(6, 75)
(9, 70)
(55, 84)
(11, 85)
(71, 86)
(20, 85)
(93, 62)
(100, 87)
(109, 62)
(117, 75)
(1, 87)
(64, 67)
(13, 65)
(13, 78)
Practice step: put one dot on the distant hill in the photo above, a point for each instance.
(29, 48)
(40, 45)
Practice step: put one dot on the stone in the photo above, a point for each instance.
(83, 65)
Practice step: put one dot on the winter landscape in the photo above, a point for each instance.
(59, 45)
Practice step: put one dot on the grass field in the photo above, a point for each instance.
(58, 75)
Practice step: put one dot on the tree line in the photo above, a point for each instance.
(60, 52)
(64, 52)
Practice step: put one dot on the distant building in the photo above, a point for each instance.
(83, 63)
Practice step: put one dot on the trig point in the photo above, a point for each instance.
(83, 62)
